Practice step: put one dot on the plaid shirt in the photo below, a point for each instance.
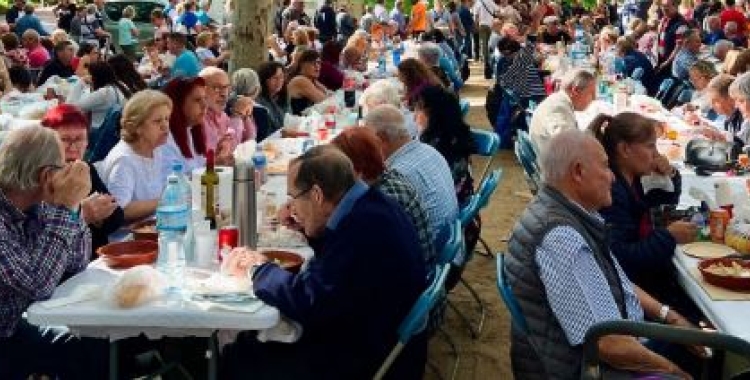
(426, 169)
(36, 249)
(395, 185)
(576, 288)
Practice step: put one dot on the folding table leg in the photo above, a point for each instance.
(213, 357)
(113, 362)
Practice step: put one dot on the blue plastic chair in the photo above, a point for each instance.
(686, 96)
(637, 73)
(486, 144)
(664, 88)
(464, 107)
(454, 245)
(416, 321)
(526, 156)
(519, 321)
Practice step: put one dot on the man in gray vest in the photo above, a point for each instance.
(564, 276)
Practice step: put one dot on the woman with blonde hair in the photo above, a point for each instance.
(132, 169)
(127, 32)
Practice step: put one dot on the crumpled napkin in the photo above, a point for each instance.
(286, 331)
(657, 181)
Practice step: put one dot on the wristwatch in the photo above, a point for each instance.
(663, 312)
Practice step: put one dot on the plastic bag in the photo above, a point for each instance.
(137, 286)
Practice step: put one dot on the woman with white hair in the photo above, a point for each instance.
(247, 118)
(385, 91)
(429, 53)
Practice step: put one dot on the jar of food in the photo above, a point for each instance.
(718, 220)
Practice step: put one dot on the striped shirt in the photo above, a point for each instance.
(522, 72)
(37, 248)
(577, 291)
(426, 169)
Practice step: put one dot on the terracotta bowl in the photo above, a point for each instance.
(128, 254)
(737, 283)
(144, 230)
(293, 133)
(287, 260)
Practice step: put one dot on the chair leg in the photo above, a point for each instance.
(487, 252)
(464, 320)
(482, 308)
(454, 348)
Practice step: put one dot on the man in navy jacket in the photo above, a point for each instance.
(366, 274)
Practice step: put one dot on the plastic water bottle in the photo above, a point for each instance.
(398, 49)
(186, 196)
(260, 162)
(172, 219)
(381, 64)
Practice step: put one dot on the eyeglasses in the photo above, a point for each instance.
(77, 142)
(301, 193)
(223, 88)
(53, 167)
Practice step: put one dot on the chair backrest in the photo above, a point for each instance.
(486, 144)
(527, 145)
(528, 168)
(488, 186)
(467, 213)
(637, 73)
(465, 106)
(455, 242)
(664, 88)
(686, 95)
(418, 317)
(508, 298)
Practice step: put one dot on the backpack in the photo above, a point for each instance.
(104, 138)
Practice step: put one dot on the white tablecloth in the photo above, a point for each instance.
(730, 317)
(98, 318)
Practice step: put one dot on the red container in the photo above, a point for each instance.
(229, 237)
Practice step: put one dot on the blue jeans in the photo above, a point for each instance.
(53, 352)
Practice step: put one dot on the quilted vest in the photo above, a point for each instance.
(543, 352)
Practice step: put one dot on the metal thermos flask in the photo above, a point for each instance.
(244, 204)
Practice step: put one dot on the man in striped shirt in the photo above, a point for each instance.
(42, 239)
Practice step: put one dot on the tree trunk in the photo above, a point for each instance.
(251, 21)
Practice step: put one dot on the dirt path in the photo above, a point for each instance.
(488, 356)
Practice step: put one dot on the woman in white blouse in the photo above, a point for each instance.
(98, 93)
(132, 169)
(187, 140)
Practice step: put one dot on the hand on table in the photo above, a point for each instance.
(683, 232)
(240, 260)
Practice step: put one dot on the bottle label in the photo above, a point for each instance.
(214, 202)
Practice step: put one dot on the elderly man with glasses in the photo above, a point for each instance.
(361, 283)
(42, 239)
